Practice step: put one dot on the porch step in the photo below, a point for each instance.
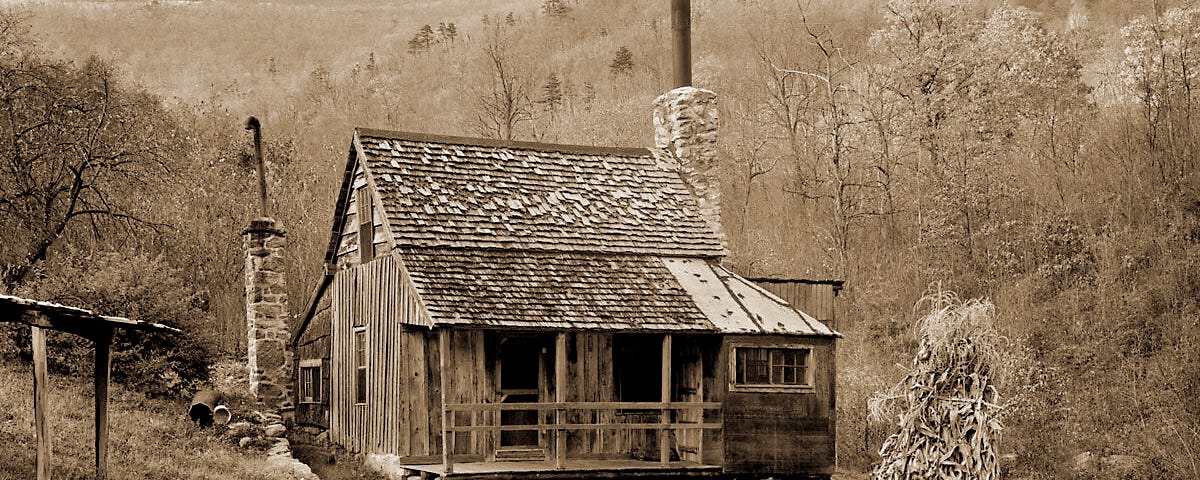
(535, 454)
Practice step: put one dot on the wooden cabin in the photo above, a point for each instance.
(505, 309)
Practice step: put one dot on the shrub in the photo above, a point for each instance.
(133, 285)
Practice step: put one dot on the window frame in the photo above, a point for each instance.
(365, 210)
(311, 386)
(808, 360)
(362, 365)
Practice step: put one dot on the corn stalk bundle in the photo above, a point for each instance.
(948, 405)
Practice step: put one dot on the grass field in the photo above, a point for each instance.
(148, 438)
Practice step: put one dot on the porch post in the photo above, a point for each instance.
(41, 428)
(560, 396)
(664, 446)
(447, 416)
(103, 366)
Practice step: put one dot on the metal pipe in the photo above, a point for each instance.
(252, 124)
(681, 28)
(207, 408)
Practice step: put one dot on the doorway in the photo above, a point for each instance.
(521, 371)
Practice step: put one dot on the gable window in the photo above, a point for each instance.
(772, 367)
(310, 381)
(366, 225)
(360, 365)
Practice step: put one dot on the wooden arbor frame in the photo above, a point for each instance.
(41, 316)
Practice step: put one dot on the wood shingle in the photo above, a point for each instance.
(472, 193)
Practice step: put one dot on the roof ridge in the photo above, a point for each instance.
(594, 252)
(496, 143)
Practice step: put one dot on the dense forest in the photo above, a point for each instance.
(1040, 153)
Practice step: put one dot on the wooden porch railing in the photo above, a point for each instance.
(559, 424)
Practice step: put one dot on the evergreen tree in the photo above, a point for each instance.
(510, 19)
(623, 62)
(422, 40)
(552, 95)
(556, 9)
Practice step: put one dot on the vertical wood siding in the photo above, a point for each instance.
(815, 299)
(394, 419)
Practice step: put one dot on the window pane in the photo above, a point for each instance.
(360, 359)
(752, 366)
(360, 389)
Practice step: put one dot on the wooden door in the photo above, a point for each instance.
(688, 387)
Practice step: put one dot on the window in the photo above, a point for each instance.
(310, 381)
(366, 225)
(360, 365)
(772, 367)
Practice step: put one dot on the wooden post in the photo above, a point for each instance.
(103, 366)
(41, 429)
(560, 396)
(703, 414)
(664, 446)
(447, 417)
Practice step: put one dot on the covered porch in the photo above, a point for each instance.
(559, 430)
(571, 468)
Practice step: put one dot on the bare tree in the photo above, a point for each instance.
(76, 150)
(504, 103)
(832, 114)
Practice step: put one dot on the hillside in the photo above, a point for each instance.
(1038, 153)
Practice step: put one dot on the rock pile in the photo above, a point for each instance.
(265, 432)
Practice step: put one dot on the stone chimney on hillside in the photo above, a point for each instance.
(266, 315)
(685, 129)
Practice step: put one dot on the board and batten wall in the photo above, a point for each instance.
(396, 417)
(781, 432)
(814, 297)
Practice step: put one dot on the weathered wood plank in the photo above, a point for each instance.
(101, 369)
(664, 435)
(40, 405)
(560, 396)
(447, 436)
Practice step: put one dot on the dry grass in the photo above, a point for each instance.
(149, 438)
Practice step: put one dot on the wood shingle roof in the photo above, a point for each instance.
(472, 193)
(559, 290)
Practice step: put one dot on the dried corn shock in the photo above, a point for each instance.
(948, 405)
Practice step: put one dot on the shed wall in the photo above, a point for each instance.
(816, 299)
(396, 416)
(782, 433)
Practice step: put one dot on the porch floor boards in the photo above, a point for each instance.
(572, 468)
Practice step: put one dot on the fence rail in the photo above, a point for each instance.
(559, 423)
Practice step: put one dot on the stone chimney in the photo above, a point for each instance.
(266, 315)
(685, 130)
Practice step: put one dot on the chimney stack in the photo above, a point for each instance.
(269, 363)
(685, 131)
(267, 357)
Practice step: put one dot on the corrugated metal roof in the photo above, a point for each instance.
(474, 193)
(82, 317)
(735, 305)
